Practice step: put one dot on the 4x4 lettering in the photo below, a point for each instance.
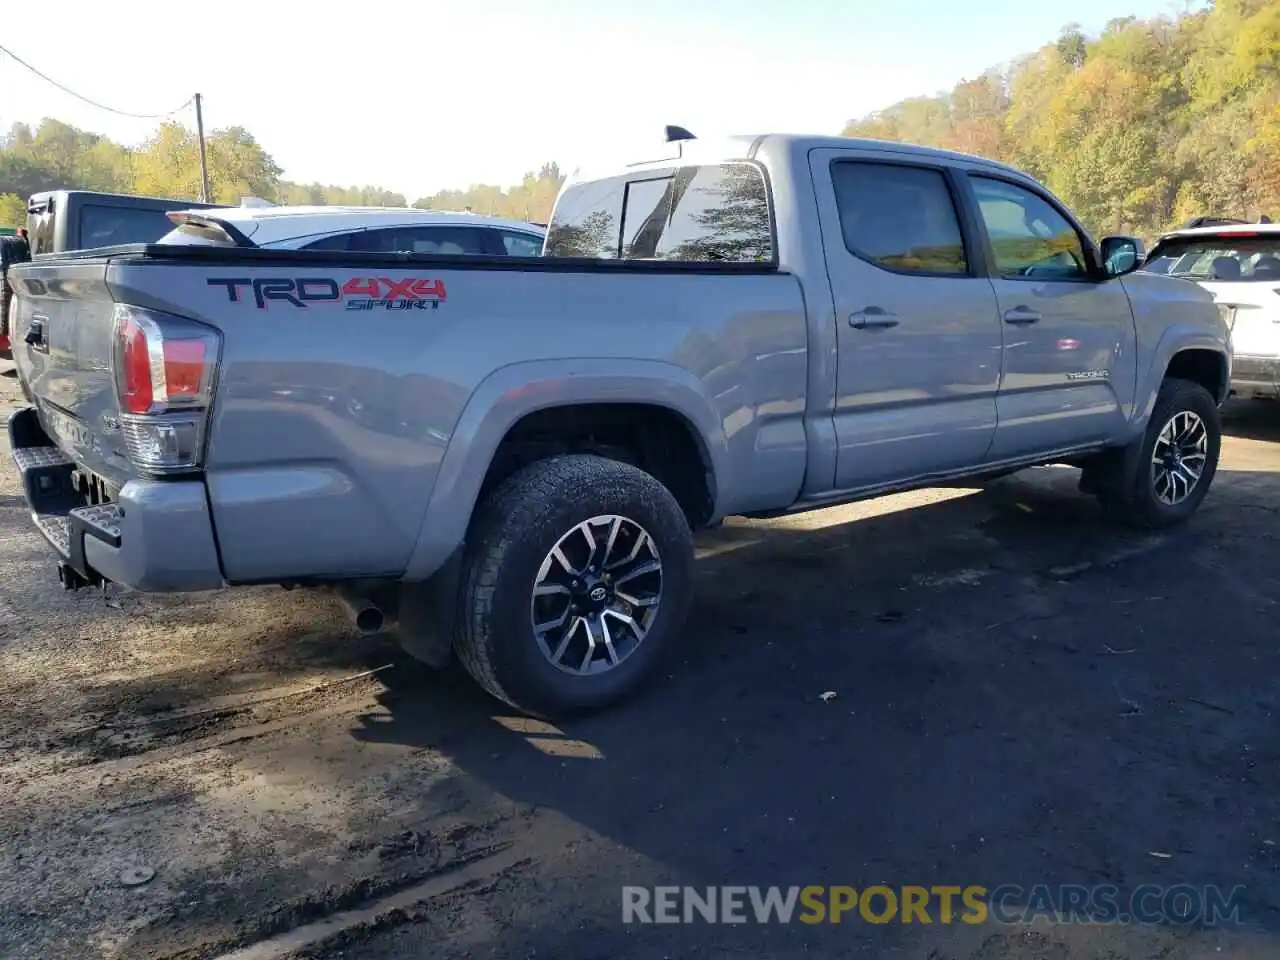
(359, 287)
(430, 288)
(399, 288)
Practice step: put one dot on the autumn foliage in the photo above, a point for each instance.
(1141, 128)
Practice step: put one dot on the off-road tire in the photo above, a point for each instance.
(1123, 483)
(513, 530)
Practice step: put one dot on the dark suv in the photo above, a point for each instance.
(62, 220)
(12, 250)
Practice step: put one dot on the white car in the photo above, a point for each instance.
(1239, 264)
(355, 229)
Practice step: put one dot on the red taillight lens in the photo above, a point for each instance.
(134, 372)
(162, 363)
(165, 368)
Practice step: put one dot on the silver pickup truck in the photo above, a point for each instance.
(505, 458)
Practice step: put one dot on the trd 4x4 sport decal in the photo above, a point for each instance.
(359, 293)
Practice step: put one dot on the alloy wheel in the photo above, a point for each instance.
(596, 595)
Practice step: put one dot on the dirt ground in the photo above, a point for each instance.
(1022, 694)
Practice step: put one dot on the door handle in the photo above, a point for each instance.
(1021, 315)
(872, 317)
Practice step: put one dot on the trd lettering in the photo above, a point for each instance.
(297, 292)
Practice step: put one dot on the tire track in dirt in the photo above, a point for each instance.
(374, 911)
(134, 741)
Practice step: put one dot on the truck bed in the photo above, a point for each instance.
(357, 393)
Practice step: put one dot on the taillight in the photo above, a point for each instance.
(133, 369)
(165, 369)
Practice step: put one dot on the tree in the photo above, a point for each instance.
(532, 200)
(13, 210)
(1142, 127)
(1072, 46)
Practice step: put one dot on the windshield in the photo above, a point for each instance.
(1224, 257)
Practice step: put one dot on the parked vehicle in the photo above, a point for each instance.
(356, 229)
(13, 249)
(508, 455)
(62, 220)
(1239, 265)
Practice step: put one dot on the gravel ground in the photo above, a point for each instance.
(1022, 694)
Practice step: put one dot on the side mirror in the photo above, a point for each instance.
(1121, 255)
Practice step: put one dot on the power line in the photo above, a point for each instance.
(93, 103)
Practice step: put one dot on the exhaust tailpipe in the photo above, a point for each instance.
(364, 613)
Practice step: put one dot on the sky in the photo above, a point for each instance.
(420, 96)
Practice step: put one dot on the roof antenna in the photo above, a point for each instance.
(676, 134)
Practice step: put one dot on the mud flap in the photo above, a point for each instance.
(427, 614)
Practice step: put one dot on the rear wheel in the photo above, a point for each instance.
(1161, 479)
(577, 578)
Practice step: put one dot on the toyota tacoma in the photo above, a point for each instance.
(505, 457)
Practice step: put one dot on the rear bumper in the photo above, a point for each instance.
(1255, 376)
(156, 537)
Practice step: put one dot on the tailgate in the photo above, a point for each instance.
(62, 347)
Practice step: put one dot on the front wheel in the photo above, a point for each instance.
(577, 578)
(1165, 474)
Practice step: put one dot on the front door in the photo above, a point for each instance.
(1070, 364)
(917, 330)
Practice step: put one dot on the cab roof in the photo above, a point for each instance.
(746, 147)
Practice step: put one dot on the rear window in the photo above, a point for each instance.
(104, 226)
(714, 214)
(1221, 257)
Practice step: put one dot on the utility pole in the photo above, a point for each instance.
(205, 192)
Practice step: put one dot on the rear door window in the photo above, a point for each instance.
(521, 244)
(449, 240)
(339, 241)
(899, 217)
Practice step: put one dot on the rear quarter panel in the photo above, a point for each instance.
(332, 425)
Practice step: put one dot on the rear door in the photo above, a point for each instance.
(918, 335)
(1070, 363)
